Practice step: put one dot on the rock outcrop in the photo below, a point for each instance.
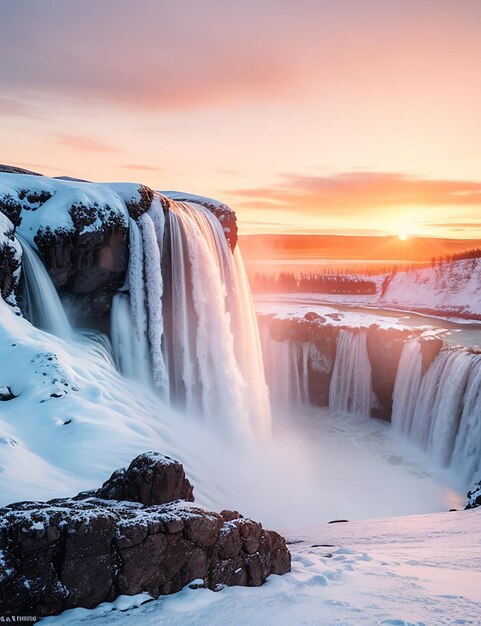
(321, 337)
(81, 231)
(89, 549)
(474, 496)
(10, 260)
(384, 346)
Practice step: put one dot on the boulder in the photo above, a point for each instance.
(81, 551)
(151, 478)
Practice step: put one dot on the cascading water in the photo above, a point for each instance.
(208, 361)
(350, 390)
(406, 387)
(40, 299)
(286, 365)
(440, 411)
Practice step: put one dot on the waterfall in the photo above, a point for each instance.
(406, 387)
(350, 390)
(441, 411)
(466, 458)
(198, 336)
(286, 366)
(40, 299)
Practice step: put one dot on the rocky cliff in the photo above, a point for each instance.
(137, 533)
(80, 230)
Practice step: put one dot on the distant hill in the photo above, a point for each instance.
(350, 247)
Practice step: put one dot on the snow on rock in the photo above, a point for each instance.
(151, 478)
(10, 260)
(109, 547)
(474, 496)
(422, 570)
(224, 213)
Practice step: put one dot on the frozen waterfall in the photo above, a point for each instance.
(196, 340)
(41, 303)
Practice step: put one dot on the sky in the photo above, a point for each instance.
(306, 116)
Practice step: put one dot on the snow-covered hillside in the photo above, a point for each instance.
(452, 288)
(409, 571)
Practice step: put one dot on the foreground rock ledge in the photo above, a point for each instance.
(86, 550)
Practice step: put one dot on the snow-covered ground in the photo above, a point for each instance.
(75, 420)
(408, 571)
(354, 312)
(452, 289)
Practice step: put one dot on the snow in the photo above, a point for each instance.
(408, 571)
(191, 197)
(454, 286)
(292, 306)
(108, 198)
(451, 290)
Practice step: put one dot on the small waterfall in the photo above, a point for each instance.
(406, 387)
(40, 299)
(441, 411)
(466, 458)
(198, 336)
(350, 390)
(286, 366)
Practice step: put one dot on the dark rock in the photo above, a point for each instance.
(474, 497)
(430, 348)
(6, 394)
(312, 316)
(151, 478)
(138, 206)
(10, 259)
(338, 521)
(86, 550)
(322, 340)
(12, 169)
(384, 346)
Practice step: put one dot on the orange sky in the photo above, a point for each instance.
(308, 116)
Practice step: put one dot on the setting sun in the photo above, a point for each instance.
(403, 236)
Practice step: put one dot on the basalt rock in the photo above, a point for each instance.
(10, 259)
(384, 346)
(430, 348)
(81, 232)
(86, 550)
(322, 339)
(151, 478)
(474, 497)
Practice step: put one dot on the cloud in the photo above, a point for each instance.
(355, 192)
(155, 55)
(141, 168)
(87, 144)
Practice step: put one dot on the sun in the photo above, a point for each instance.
(403, 236)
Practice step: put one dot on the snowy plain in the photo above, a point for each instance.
(403, 571)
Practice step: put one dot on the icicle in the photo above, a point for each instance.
(153, 284)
